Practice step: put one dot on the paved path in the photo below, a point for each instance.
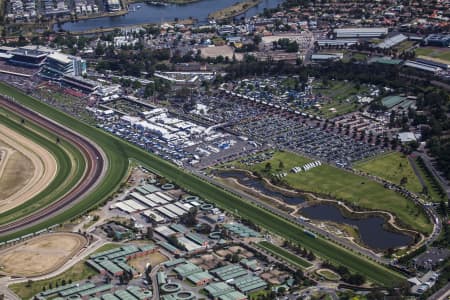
(442, 294)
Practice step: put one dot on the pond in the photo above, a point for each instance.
(258, 184)
(370, 228)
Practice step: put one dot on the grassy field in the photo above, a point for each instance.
(328, 274)
(403, 46)
(285, 255)
(70, 162)
(118, 151)
(393, 167)
(234, 10)
(433, 190)
(435, 52)
(339, 92)
(337, 183)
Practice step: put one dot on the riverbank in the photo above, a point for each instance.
(111, 29)
(233, 10)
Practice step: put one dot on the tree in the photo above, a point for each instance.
(268, 167)
(404, 180)
(281, 165)
(29, 283)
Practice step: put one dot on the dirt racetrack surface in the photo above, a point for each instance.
(40, 255)
(26, 169)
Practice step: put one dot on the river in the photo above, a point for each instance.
(141, 13)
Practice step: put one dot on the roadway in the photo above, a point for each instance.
(96, 166)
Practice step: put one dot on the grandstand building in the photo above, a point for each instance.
(57, 65)
(79, 83)
(27, 58)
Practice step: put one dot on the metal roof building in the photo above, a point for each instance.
(392, 41)
(229, 272)
(187, 269)
(361, 32)
(218, 289)
(200, 278)
(249, 284)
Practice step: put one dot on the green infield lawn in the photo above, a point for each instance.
(119, 152)
(393, 167)
(435, 52)
(342, 98)
(70, 162)
(342, 185)
(285, 255)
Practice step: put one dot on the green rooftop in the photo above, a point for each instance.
(187, 269)
(229, 272)
(218, 289)
(200, 276)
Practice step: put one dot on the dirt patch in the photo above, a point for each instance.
(154, 259)
(225, 51)
(26, 170)
(40, 255)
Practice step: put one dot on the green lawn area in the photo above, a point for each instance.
(433, 190)
(393, 167)
(285, 255)
(403, 46)
(70, 162)
(328, 274)
(342, 185)
(435, 52)
(339, 92)
(120, 152)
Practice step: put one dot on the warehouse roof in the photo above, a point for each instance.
(249, 283)
(234, 295)
(200, 276)
(218, 289)
(229, 272)
(187, 269)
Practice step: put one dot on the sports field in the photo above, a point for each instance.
(393, 167)
(119, 152)
(342, 185)
(285, 255)
(40, 255)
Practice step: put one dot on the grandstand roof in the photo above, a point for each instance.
(61, 58)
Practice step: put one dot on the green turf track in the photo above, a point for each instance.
(285, 255)
(118, 151)
(66, 169)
